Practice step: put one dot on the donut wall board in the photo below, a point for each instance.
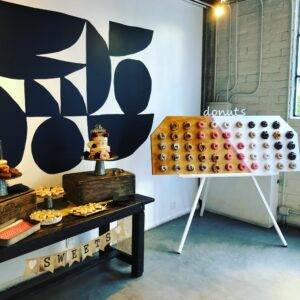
(224, 146)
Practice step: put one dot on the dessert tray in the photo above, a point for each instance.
(88, 209)
(16, 230)
(53, 192)
(46, 217)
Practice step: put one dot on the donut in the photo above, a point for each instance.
(227, 146)
(214, 146)
(214, 135)
(200, 124)
(174, 126)
(241, 156)
(215, 168)
(228, 167)
(190, 167)
(186, 125)
(239, 124)
(228, 156)
(201, 135)
(226, 135)
(214, 158)
(240, 146)
(241, 166)
(161, 136)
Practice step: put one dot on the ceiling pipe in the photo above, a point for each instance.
(200, 3)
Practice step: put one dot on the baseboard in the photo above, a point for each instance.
(169, 218)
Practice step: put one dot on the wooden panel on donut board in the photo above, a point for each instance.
(224, 145)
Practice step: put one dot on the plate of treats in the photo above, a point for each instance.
(88, 209)
(53, 192)
(7, 172)
(46, 217)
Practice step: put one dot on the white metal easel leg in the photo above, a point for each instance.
(269, 211)
(188, 224)
(204, 198)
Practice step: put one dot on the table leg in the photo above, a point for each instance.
(138, 227)
(103, 229)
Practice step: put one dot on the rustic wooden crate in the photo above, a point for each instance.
(17, 206)
(85, 187)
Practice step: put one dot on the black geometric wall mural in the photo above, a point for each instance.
(72, 103)
(132, 86)
(38, 101)
(30, 38)
(13, 128)
(125, 40)
(57, 145)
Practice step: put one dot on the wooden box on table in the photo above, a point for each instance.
(85, 187)
(17, 206)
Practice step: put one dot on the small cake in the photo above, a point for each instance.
(6, 172)
(98, 145)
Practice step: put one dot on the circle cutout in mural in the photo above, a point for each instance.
(57, 145)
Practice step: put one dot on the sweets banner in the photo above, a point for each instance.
(65, 258)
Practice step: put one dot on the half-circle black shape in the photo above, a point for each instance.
(26, 32)
(57, 145)
(127, 133)
(133, 84)
(39, 102)
(72, 103)
(98, 69)
(13, 129)
(125, 40)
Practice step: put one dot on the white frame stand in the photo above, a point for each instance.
(202, 182)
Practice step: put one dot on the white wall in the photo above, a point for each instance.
(174, 62)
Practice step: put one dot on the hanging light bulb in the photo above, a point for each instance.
(219, 11)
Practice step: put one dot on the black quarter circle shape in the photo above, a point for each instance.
(125, 40)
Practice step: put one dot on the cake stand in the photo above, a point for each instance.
(3, 185)
(100, 165)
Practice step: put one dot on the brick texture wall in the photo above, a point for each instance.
(272, 96)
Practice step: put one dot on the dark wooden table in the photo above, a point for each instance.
(72, 226)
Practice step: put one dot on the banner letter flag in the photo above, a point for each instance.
(31, 267)
(97, 245)
(105, 239)
(73, 255)
(86, 251)
(47, 264)
(60, 259)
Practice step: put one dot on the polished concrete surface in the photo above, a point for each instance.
(222, 259)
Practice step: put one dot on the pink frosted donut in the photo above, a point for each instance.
(226, 135)
(242, 166)
(228, 167)
(228, 156)
(214, 146)
(214, 135)
(200, 124)
(240, 146)
(227, 146)
(254, 166)
(200, 135)
(241, 156)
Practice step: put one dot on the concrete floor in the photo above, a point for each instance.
(222, 259)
